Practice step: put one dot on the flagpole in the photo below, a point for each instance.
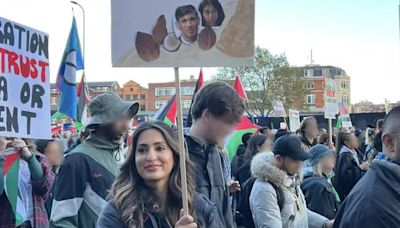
(84, 25)
(182, 151)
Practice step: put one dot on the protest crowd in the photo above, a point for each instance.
(114, 172)
(106, 176)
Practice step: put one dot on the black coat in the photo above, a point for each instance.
(244, 172)
(206, 213)
(347, 173)
(319, 195)
(210, 177)
(238, 160)
(374, 201)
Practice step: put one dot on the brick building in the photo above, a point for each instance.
(315, 83)
(159, 93)
(133, 91)
(95, 88)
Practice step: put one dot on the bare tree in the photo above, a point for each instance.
(272, 78)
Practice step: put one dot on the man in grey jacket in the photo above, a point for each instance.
(280, 171)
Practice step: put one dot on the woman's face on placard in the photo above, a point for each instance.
(210, 15)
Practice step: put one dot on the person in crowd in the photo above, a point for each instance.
(187, 21)
(321, 196)
(211, 12)
(238, 160)
(64, 139)
(324, 140)
(280, 133)
(378, 146)
(357, 132)
(349, 167)
(257, 144)
(53, 151)
(322, 131)
(87, 172)
(83, 135)
(309, 133)
(147, 193)
(374, 201)
(267, 131)
(216, 110)
(368, 145)
(298, 132)
(34, 183)
(379, 125)
(276, 199)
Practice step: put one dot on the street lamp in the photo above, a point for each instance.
(83, 10)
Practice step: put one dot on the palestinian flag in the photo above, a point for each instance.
(235, 139)
(238, 86)
(245, 126)
(11, 173)
(83, 100)
(199, 84)
(167, 113)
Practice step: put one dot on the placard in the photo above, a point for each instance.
(175, 33)
(294, 120)
(279, 110)
(24, 81)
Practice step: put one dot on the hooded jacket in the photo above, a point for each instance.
(319, 195)
(264, 203)
(375, 200)
(210, 177)
(84, 178)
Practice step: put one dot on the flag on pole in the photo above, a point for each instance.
(238, 86)
(245, 126)
(11, 173)
(235, 139)
(167, 112)
(72, 61)
(199, 85)
(83, 100)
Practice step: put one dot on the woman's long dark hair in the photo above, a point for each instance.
(217, 6)
(254, 142)
(133, 197)
(342, 138)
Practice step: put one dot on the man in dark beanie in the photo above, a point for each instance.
(88, 171)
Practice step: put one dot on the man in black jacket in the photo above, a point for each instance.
(216, 110)
(375, 200)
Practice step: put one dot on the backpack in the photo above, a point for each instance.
(243, 211)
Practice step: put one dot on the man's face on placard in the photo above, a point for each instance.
(188, 24)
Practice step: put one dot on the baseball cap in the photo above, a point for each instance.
(290, 146)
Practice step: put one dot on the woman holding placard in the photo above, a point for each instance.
(148, 193)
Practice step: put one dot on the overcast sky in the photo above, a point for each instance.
(360, 36)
